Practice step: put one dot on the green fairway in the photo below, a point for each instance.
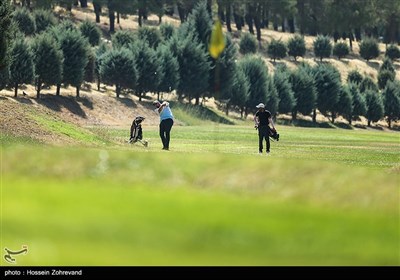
(323, 197)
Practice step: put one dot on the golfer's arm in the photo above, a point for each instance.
(272, 123)
(256, 120)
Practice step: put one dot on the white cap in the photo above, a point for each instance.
(261, 105)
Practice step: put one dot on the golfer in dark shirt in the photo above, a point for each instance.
(262, 120)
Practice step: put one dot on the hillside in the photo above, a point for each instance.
(345, 65)
(101, 109)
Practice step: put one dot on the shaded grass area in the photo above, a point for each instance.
(120, 207)
(198, 115)
(61, 127)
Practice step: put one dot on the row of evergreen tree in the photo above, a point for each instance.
(340, 19)
(322, 48)
(167, 59)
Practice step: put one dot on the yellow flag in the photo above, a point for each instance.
(217, 40)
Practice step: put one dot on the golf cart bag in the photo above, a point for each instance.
(136, 131)
(273, 134)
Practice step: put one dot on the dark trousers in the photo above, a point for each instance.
(165, 129)
(263, 133)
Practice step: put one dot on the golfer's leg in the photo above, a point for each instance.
(162, 132)
(268, 143)
(260, 140)
(168, 128)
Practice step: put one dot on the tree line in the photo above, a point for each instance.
(347, 19)
(166, 59)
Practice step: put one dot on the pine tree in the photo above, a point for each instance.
(90, 31)
(90, 69)
(25, 21)
(151, 36)
(277, 49)
(391, 97)
(44, 19)
(170, 69)
(167, 31)
(21, 66)
(392, 52)
(368, 83)
(344, 106)
(100, 50)
(48, 59)
(354, 77)
(359, 107)
(149, 67)
(7, 30)
(194, 66)
(223, 70)
(247, 44)
(340, 50)
(285, 92)
(255, 71)
(322, 47)
(240, 91)
(385, 76)
(296, 47)
(272, 98)
(388, 65)
(75, 51)
(369, 49)
(327, 83)
(375, 107)
(304, 90)
(123, 38)
(118, 68)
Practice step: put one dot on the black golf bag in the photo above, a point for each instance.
(273, 134)
(136, 131)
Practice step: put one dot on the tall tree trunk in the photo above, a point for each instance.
(249, 18)
(69, 6)
(294, 115)
(241, 112)
(389, 122)
(158, 95)
(117, 90)
(314, 116)
(83, 3)
(221, 13)
(140, 16)
(118, 17)
(98, 84)
(291, 25)
(78, 88)
(369, 123)
(58, 89)
(181, 12)
(97, 11)
(275, 23)
(333, 117)
(257, 21)
(38, 88)
(238, 21)
(111, 14)
(228, 16)
(197, 100)
(283, 25)
(16, 90)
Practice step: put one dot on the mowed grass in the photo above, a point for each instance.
(323, 197)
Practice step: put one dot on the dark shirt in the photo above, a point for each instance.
(263, 117)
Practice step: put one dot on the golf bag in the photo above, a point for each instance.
(136, 131)
(273, 134)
